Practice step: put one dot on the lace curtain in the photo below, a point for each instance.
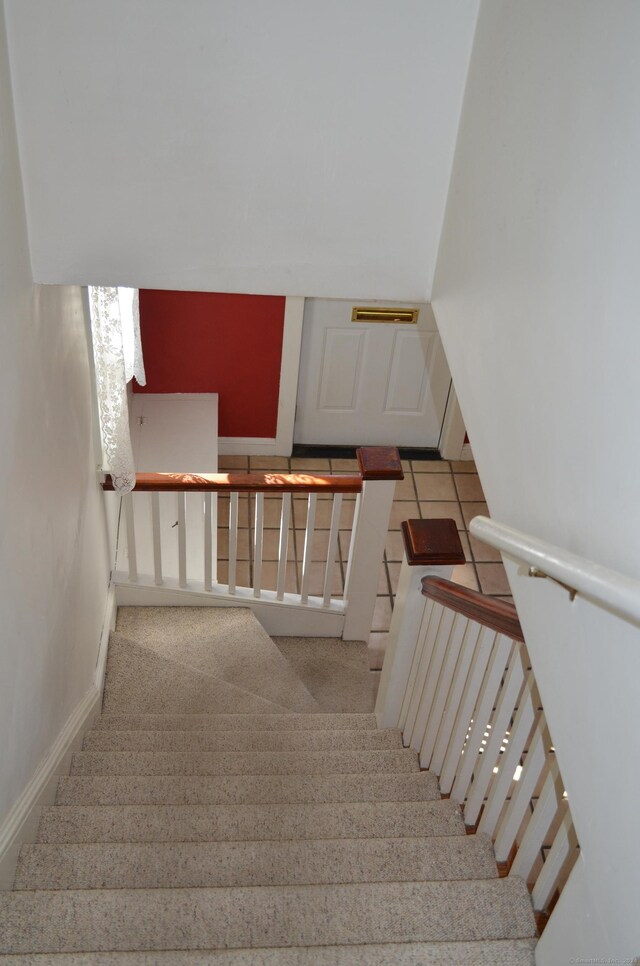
(117, 351)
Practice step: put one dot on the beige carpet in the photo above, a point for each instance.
(190, 834)
(226, 642)
(336, 672)
(142, 680)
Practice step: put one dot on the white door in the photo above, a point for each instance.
(369, 383)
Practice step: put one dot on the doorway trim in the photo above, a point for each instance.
(452, 445)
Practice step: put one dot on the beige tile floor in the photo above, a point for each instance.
(429, 489)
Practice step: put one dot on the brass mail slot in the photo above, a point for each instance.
(404, 316)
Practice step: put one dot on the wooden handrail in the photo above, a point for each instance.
(499, 615)
(376, 463)
(242, 483)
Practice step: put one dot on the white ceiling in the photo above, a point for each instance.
(289, 146)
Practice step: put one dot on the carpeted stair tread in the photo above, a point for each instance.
(336, 672)
(497, 952)
(193, 741)
(265, 916)
(500, 952)
(241, 763)
(202, 823)
(228, 642)
(137, 678)
(248, 789)
(236, 804)
(235, 722)
(219, 864)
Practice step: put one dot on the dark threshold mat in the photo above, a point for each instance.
(349, 452)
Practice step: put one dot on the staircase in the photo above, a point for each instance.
(226, 809)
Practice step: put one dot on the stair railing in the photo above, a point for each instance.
(458, 683)
(183, 532)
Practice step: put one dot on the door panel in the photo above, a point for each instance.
(369, 383)
(407, 376)
(340, 371)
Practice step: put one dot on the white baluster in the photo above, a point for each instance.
(257, 544)
(544, 812)
(482, 715)
(214, 538)
(308, 545)
(409, 611)
(182, 539)
(409, 608)
(283, 546)
(422, 655)
(435, 701)
(464, 716)
(194, 536)
(157, 543)
(352, 537)
(233, 542)
(564, 847)
(454, 696)
(507, 702)
(332, 547)
(521, 796)
(131, 536)
(510, 760)
(366, 551)
(208, 551)
(432, 677)
(420, 624)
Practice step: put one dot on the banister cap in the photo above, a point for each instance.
(380, 463)
(433, 542)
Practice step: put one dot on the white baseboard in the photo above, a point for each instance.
(281, 618)
(108, 625)
(466, 452)
(453, 430)
(21, 824)
(247, 446)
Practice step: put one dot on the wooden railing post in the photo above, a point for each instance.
(380, 467)
(431, 548)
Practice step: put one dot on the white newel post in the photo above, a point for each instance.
(380, 467)
(432, 548)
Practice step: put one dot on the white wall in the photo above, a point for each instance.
(283, 147)
(54, 563)
(536, 295)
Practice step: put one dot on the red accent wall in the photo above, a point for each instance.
(212, 342)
